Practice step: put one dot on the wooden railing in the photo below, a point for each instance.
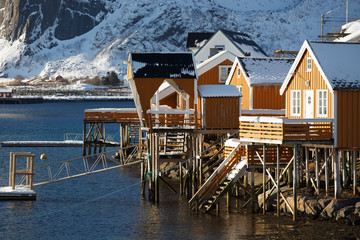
(173, 118)
(112, 114)
(281, 129)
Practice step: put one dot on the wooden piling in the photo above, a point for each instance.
(278, 180)
(308, 184)
(317, 177)
(326, 171)
(354, 171)
(337, 185)
(264, 178)
(295, 181)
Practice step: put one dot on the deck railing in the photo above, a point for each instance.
(112, 114)
(285, 129)
(173, 118)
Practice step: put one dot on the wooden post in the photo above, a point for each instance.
(252, 191)
(317, 171)
(354, 171)
(84, 139)
(278, 180)
(31, 171)
(264, 177)
(156, 167)
(307, 167)
(337, 185)
(326, 171)
(344, 168)
(181, 179)
(294, 181)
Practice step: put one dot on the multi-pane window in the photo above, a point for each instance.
(321, 103)
(308, 64)
(295, 98)
(224, 73)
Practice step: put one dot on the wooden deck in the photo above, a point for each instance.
(281, 130)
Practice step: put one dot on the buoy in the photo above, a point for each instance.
(43, 156)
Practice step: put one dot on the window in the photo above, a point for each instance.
(240, 90)
(295, 98)
(238, 72)
(220, 47)
(308, 64)
(224, 73)
(321, 103)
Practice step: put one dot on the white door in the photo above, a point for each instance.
(308, 104)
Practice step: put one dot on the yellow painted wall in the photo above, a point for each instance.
(298, 82)
(212, 76)
(240, 81)
(268, 97)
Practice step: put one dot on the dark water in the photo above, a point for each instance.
(109, 205)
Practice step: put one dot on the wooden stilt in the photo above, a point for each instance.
(181, 178)
(264, 178)
(326, 162)
(354, 171)
(228, 200)
(294, 181)
(308, 184)
(337, 185)
(156, 165)
(344, 168)
(278, 180)
(317, 177)
(252, 190)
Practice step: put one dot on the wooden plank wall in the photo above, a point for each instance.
(348, 115)
(240, 81)
(268, 97)
(171, 100)
(212, 76)
(298, 83)
(221, 113)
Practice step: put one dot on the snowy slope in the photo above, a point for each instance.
(162, 25)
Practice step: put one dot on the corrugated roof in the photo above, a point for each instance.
(163, 65)
(339, 62)
(206, 91)
(262, 71)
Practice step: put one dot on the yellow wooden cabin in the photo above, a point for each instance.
(259, 81)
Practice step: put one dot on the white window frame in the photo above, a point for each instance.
(228, 68)
(308, 64)
(238, 71)
(321, 103)
(220, 47)
(295, 103)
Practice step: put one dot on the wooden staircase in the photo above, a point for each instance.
(173, 144)
(220, 182)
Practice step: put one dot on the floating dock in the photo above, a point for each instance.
(66, 143)
(20, 193)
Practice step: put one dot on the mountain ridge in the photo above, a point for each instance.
(120, 27)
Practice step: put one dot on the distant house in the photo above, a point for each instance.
(259, 81)
(324, 82)
(239, 44)
(6, 92)
(216, 69)
(196, 40)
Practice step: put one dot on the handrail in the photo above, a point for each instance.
(204, 188)
(284, 120)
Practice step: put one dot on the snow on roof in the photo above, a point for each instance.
(339, 62)
(214, 61)
(218, 91)
(163, 65)
(262, 71)
(244, 43)
(195, 39)
(6, 90)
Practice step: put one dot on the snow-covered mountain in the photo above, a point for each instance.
(78, 38)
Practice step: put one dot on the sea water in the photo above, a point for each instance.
(109, 205)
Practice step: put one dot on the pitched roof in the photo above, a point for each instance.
(218, 91)
(195, 39)
(214, 61)
(262, 71)
(163, 65)
(338, 63)
(244, 43)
